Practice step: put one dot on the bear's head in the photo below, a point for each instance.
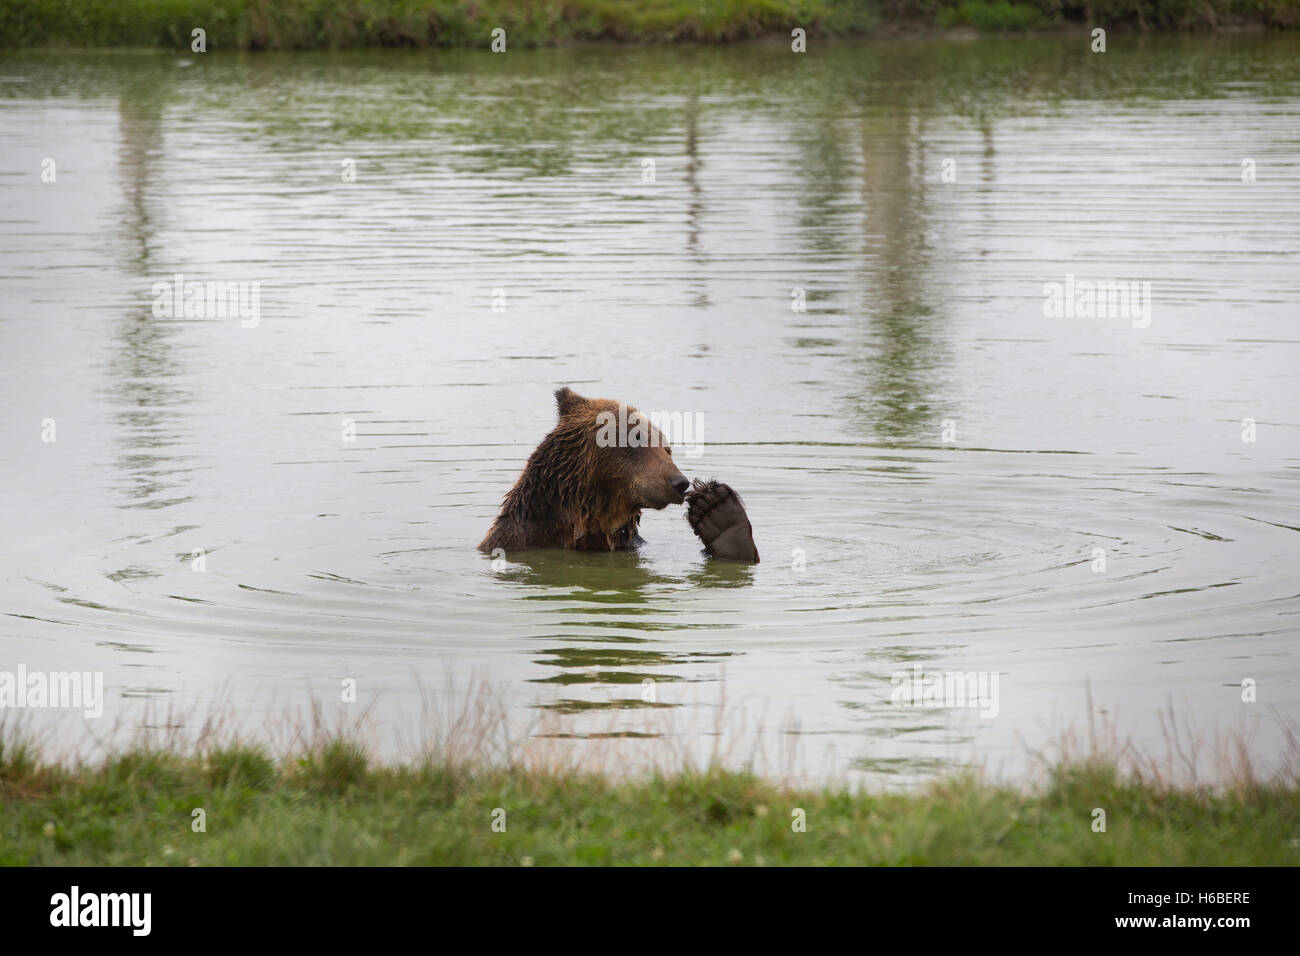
(587, 482)
(626, 460)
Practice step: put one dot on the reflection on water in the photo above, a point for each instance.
(251, 515)
(898, 350)
(144, 383)
(617, 592)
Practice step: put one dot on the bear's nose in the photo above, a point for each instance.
(680, 484)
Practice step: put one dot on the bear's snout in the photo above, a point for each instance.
(662, 486)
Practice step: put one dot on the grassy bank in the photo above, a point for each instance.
(312, 24)
(330, 806)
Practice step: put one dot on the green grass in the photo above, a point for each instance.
(313, 24)
(332, 806)
(999, 15)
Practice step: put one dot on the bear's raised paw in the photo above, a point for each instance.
(717, 515)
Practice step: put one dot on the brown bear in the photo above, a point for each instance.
(585, 485)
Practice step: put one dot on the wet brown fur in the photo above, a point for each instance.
(573, 493)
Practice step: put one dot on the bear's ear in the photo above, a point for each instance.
(566, 400)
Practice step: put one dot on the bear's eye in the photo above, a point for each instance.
(669, 450)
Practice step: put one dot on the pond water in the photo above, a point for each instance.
(942, 472)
